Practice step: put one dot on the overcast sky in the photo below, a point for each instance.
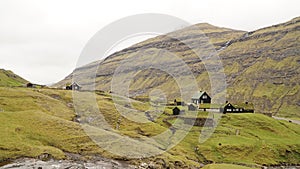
(41, 40)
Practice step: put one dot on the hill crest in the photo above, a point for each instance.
(9, 78)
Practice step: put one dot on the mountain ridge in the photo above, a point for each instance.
(261, 66)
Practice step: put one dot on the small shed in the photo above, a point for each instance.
(178, 102)
(200, 98)
(32, 85)
(176, 111)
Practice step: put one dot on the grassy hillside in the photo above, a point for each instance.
(261, 66)
(258, 135)
(8, 78)
(38, 121)
(265, 69)
(33, 123)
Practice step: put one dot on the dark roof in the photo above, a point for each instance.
(176, 108)
(226, 104)
(241, 105)
(74, 83)
(244, 105)
(198, 95)
(238, 105)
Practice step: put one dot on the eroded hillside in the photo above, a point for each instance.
(260, 66)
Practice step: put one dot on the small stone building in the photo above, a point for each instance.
(192, 107)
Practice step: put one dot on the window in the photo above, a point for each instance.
(228, 109)
(204, 97)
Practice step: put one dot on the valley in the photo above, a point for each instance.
(136, 127)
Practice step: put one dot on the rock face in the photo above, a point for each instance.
(261, 66)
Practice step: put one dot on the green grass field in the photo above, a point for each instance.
(37, 121)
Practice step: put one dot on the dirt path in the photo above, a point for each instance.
(290, 120)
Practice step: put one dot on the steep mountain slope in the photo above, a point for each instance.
(260, 66)
(218, 36)
(263, 67)
(8, 78)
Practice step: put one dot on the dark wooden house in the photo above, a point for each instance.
(73, 86)
(200, 98)
(237, 108)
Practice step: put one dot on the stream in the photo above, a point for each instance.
(65, 164)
